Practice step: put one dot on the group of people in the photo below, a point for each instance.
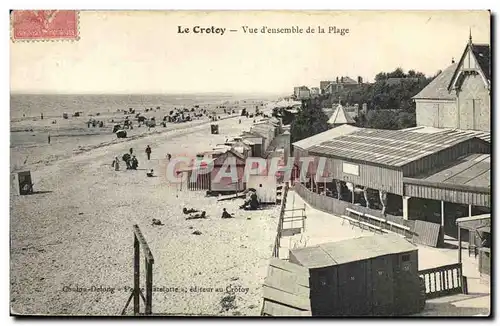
(251, 202)
(195, 214)
(130, 160)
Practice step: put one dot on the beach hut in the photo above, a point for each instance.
(371, 276)
(24, 182)
(265, 186)
(226, 184)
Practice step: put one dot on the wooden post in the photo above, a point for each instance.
(353, 186)
(459, 246)
(324, 186)
(137, 257)
(149, 286)
(442, 221)
(470, 210)
(406, 200)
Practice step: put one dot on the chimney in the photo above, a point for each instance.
(452, 60)
(337, 80)
(360, 80)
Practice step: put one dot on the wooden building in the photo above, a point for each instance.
(286, 290)
(412, 165)
(460, 96)
(217, 159)
(374, 275)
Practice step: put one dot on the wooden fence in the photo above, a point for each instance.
(338, 207)
(202, 182)
(443, 280)
(277, 244)
(140, 241)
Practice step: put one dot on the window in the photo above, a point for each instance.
(405, 258)
(350, 168)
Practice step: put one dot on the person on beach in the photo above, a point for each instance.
(131, 150)
(116, 163)
(148, 152)
(225, 214)
(197, 216)
(189, 211)
(41, 116)
(48, 138)
(150, 173)
(169, 157)
(134, 163)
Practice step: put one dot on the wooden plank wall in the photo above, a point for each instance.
(372, 176)
(427, 233)
(450, 195)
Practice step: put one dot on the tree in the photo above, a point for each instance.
(309, 121)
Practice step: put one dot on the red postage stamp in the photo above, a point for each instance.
(44, 25)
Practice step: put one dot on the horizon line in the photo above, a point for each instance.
(145, 93)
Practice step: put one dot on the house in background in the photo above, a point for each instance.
(343, 82)
(323, 85)
(315, 91)
(459, 97)
(301, 92)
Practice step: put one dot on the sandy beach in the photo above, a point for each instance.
(76, 231)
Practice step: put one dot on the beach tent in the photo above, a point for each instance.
(121, 133)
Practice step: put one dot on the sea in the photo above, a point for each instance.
(54, 105)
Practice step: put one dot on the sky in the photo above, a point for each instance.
(142, 51)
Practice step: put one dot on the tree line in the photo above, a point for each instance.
(389, 104)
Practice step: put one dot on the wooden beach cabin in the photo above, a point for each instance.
(368, 276)
(265, 186)
(216, 160)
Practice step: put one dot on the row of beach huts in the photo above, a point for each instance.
(267, 138)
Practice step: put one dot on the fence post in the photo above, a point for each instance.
(149, 287)
(137, 256)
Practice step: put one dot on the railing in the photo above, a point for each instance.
(277, 244)
(140, 241)
(443, 280)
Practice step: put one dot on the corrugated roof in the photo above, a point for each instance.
(340, 116)
(388, 147)
(472, 170)
(437, 89)
(324, 136)
(484, 135)
(351, 250)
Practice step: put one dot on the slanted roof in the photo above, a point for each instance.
(347, 80)
(437, 89)
(286, 290)
(351, 250)
(340, 116)
(477, 222)
(483, 135)
(394, 148)
(482, 54)
(471, 170)
(324, 136)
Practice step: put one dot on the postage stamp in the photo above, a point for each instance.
(44, 25)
